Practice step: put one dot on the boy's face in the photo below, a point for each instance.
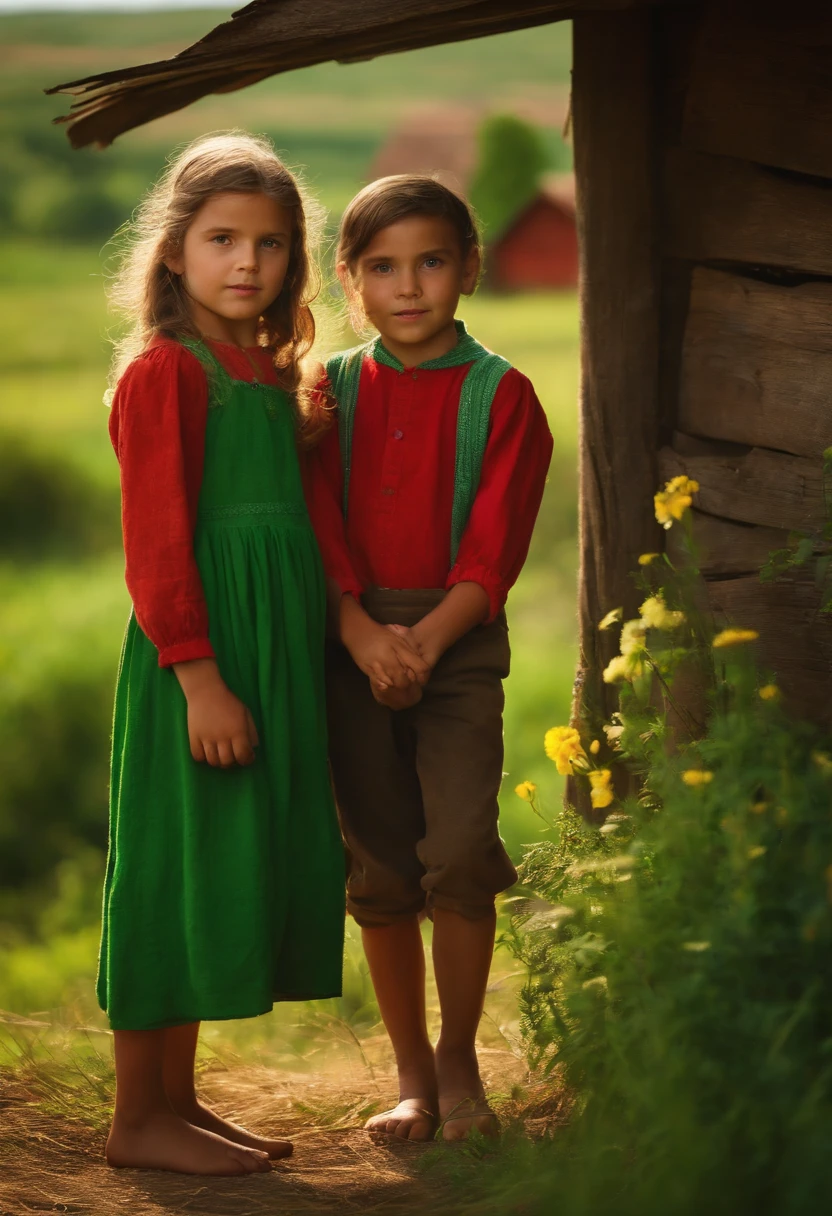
(409, 280)
(233, 262)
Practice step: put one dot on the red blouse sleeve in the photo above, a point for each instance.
(496, 540)
(323, 479)
(157, 427)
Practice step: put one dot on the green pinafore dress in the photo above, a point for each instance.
(225, 888)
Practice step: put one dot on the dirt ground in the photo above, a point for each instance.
(51, 1159)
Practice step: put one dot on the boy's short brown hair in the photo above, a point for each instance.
(390, 199)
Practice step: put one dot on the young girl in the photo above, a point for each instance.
(424, 504)
(224, 888)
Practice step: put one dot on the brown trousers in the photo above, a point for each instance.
(417, 788)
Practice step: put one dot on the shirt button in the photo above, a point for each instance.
(415, 377)
(388, 491)
(398, 434)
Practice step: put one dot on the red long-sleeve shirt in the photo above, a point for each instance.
(398, 527)
(157, 427)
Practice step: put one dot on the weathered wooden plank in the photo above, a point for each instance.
(728, 548)
(795, 641)
(758, 487)
(720, 209)
(615, 161)
(757, 363)
(761, 84)
(274, 36)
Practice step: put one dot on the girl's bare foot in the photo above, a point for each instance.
(209, 1121)
(164, 1141)
(462, 1104)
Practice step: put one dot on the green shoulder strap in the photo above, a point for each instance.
(218, 378)
(478, 389)
(344, 372)
(476, 398)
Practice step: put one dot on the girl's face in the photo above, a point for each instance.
(233, 262)
(409, 280)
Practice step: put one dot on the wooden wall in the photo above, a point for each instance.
(745, 240)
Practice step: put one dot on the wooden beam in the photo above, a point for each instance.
(728, 548)
(761, 84)
(795, 640)
(756, 365)
(754, 487)
(273, 36)
(721, 209)
(615, 166)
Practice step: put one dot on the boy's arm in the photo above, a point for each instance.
(496, 539)
(465, 605)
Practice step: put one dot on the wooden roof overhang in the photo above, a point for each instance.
(272, 36)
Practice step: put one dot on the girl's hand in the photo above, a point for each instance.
(220, 727)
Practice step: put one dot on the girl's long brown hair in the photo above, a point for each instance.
(153, 300)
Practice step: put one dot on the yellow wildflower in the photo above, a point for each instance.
(822, 761)
(759, 808)
(697, 776)
(656, 615)
(646, 558)
(769, 692)
(611, 617)
(633, 636)
(525, 790)
(733, 637)
(563, 745)
(696, 947)
(672, 502)
(599, 780)
(622, 667)
(756, 851)
(595, 747)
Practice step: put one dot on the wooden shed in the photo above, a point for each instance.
(539, 247)
(703, 153)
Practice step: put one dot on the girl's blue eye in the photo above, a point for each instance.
(271, 242)
(433, 262)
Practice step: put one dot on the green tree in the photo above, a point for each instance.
(512, 157)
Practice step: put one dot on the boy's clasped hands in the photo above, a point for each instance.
(398, 660)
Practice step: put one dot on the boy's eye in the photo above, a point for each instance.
(220, 238)
(382, 267)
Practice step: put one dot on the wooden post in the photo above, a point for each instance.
(616, 166)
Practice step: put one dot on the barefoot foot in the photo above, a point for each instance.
(202, 1116)
(164, 1141)
(462, 1103)
(415, 1118)
(412, 1119)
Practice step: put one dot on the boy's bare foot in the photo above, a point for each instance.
(202, 1116)
(164, 1141)
(413, 1118)
(462, 1103)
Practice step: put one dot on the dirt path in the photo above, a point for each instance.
(50, 1160)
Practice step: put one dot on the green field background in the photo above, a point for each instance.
(63, 605)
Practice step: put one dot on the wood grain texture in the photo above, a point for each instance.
(615, 164)
(273, 36)
(720, 209)
(759, 487)
(729, 548)
(757, 363)
(795, 643)
(761, 85)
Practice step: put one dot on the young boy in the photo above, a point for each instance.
(424, 500)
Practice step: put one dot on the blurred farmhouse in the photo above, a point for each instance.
(536, 245)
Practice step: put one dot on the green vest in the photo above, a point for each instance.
(478, 389)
